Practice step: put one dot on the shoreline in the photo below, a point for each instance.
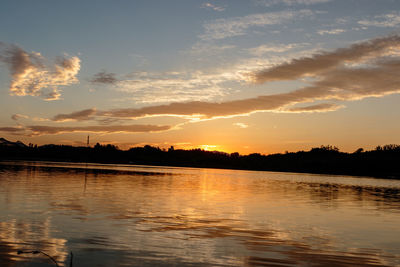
(124, 164)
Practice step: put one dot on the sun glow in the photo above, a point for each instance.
(210, 147)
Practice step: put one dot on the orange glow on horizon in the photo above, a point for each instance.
(211, 147)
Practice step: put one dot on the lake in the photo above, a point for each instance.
(123, 215)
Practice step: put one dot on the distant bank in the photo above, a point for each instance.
(382, 162)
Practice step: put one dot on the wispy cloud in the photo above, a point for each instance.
(35, 130)
(332, 31)
(211, 85)
(230, 27)
(334, 79)
(272, 48)
(213, 7)
(104, 77)
(324, 107)
(206, 110)
(76, 116)
(173, 86)
(196, 85)
(269, 3)
(31, 75)
(386, 20)
(41, 130)
(241, 125)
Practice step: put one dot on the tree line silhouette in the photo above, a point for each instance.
(383, 161)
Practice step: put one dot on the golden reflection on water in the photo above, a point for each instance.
(140, 216)
(16, 235)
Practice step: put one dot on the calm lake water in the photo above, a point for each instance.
(118, 215)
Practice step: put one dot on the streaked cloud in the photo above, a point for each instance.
(198, 110)
(324, 107)
(269, 3)
(35, 130)
(333, 79)
(13, 130)
(322, 62)
(104, 77)
(213, 7)
(173, 86)
(201, 85)
(332, 31)
(386, 20)
(41, 130)
(77, 116)
(32, 75)
(230, 27)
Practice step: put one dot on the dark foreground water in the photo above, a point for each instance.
(116, 215)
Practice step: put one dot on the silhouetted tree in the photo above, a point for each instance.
(384, 161)
(358, 151)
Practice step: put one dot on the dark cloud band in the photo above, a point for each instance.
(46, 130)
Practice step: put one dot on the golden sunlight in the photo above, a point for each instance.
(211, 147)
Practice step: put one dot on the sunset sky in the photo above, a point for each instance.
(250, 76)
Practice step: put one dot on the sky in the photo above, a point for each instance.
(256, 76)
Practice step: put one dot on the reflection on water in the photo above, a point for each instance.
(16, 234)
(122, 215)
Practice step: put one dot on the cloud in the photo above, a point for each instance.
(31, 76)
(13, 130)
(333, 31)
(387, 20)
(35, 130)
(213, 7)
(16, 117)
(173, 86)
(269, 3)
(277, 48)
(322, 62)
(104, 78)
(198, 110)
(41, 130)
(324, 107)
(224, 28)
(241, 125)
(77, 116)
(193, 85)
(334, 79)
